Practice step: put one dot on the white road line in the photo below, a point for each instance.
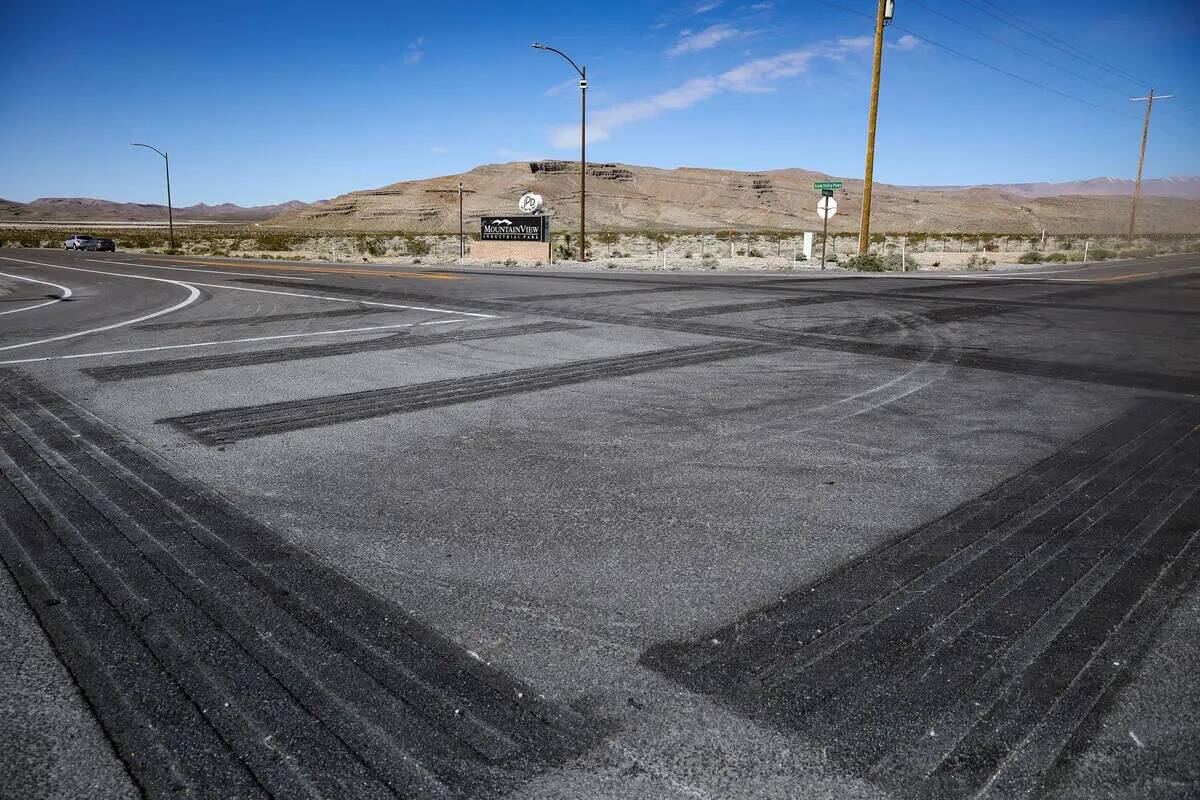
(193, 295)
(228, 341)
(213, 271)
(297, 294)
(64, 289)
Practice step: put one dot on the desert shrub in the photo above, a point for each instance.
(687, 253)
(892, 261)
(607, 237)
(416, 246)
(977, 260)
(508, 262)
(878, 238)
(29, 239)
(754, 253)
(370, 246)
(1030, 257)
(1137, 252)
(564, 251)
(274, 242)
(1100, 254)
(866, 262)
(709, 262)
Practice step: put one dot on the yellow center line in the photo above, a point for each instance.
(437, 276)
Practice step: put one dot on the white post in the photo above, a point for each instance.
(664, 258)
(1043, 238)
(903, 257)
(1086, 242)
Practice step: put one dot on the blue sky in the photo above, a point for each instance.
(270, 101)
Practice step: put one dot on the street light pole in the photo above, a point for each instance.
(583, 87)
(170, 211)
(882, 17)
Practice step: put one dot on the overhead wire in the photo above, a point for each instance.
(1048, 38)
(983, 63)
(1020, 50)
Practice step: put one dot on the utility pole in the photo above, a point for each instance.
(887, 9)
(1137, 186)
(583, 87)
(462, 246)
(170, 212)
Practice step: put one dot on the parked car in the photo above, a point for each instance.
(80, 242)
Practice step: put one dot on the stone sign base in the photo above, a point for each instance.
(521, 252)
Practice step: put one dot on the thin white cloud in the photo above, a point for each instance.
(757, 75)
(415, 53)
(703, 40)
(438, 149)
(905, 42)
(704, 8)
(857, 42)
(559, 88)
(762, 6)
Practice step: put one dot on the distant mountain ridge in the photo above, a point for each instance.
(627, 197)
(90, 209)
(1185, 187)
(630, 197)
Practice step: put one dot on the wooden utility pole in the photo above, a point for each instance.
(1137, 186)
(882, 17)
(462, 242)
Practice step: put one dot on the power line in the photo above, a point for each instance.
(993, 67)
(1048, 38)
(1022, 51)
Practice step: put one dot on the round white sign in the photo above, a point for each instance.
(530, 202)
(826, 207)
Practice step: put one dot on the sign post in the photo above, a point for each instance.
(826, 208)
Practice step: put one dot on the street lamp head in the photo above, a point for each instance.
(539, 46)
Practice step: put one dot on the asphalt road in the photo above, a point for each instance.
(306, 530)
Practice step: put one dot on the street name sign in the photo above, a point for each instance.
(827, 184)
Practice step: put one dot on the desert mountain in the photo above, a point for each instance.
(88, 209)
(625, 197)
(1186, 187)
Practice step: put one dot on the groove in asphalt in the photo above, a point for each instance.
(231, 425)
(969, 653)
(263, 319)
(1085, 373)
(224, 662)
(121, 372)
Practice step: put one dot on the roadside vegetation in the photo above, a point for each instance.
(640, 249)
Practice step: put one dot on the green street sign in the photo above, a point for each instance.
(827, 185)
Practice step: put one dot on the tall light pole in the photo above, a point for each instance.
(583, 85)
(887, 9)
(1137, 186)
(170, 212)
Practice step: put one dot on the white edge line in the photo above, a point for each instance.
(213, 271)
(228, 341)
(193, 294)
(297, 294)
(66, 290)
